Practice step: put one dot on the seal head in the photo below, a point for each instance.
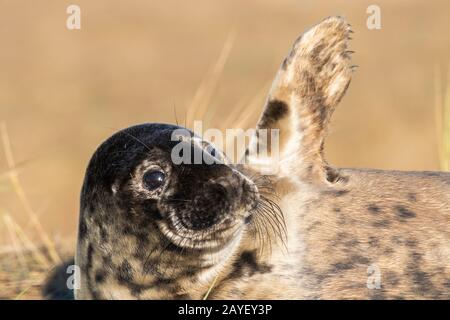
(147, 218)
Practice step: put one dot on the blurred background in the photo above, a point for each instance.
(62, 92)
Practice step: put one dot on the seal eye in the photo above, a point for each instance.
(154, 179)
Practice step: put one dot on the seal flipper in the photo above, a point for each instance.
(55, 286)
(308, 86)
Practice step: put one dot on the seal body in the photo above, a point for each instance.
(152, 227)
(372, 235)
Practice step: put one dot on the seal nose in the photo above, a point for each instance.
(209, 206)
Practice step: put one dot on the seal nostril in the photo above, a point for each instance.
(220, 190)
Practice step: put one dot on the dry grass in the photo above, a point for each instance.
(19, 191)
(26, 263)
(20, 279)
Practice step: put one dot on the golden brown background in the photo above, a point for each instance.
(62, 92)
